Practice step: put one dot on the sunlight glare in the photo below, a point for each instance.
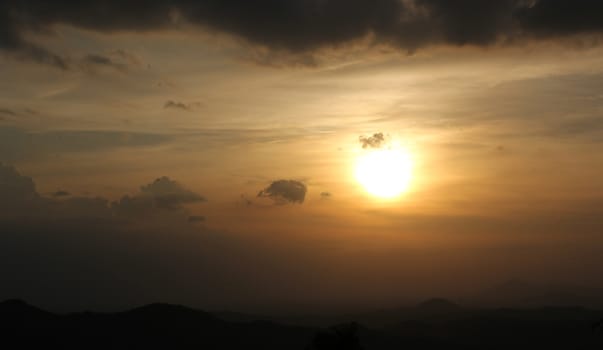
(384, 173)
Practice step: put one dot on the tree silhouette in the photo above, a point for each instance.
(342, 337)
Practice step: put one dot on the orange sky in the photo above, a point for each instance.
(505, 144)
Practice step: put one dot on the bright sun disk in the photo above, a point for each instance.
(384, 173)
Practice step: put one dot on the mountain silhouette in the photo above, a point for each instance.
(152, 326)
(519, 293)
(17, 313)
(433, 324)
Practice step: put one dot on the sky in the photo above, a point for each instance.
(206, 152)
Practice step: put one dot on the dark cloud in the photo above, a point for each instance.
(305, 25)
(177, 105)
(375, 141)
(61, 193)
(12, 43)
(16, 192)
(98, 59)
(284, 191)
(246, 201)
(181, 105)
(162, 199)
(553, 18)
(167, 193)
(20, 199)
(92, 61)
(7, 111)
(128, 57)
(119, 60)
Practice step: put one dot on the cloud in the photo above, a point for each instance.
(246, 201)
(61, 193)
(170, 194)
(553, 18)
(283, 191)
(163, 199)
(181, 105)
(98, 59)
(303, 25)
(17, 192)
(174, 104)
(375, 141)
(163, 196)
(92, 61)
(101, 262)
(82, 253)
(119, 60)
(24, 51)
(7, 111)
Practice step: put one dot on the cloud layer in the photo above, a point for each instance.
(303, 25)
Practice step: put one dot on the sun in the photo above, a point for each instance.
(385, 173)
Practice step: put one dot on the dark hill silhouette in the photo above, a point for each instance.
(167, 315)
(518, 293)
(16, 313)
(341, 337)
(434, 324)
(155, 326)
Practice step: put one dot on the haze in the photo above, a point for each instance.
(203, 153)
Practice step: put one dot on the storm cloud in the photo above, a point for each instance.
(305, 25)
(284, 191)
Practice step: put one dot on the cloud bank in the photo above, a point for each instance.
(305, 25)
(163, 200)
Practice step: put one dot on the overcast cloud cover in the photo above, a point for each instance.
(304, 25)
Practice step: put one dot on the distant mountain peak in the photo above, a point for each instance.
(13, 302)
(163, 312)
(161, 307)
(17, 305)
(16, 310)
(438, 304)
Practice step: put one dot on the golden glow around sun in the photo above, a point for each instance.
(384, 173)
